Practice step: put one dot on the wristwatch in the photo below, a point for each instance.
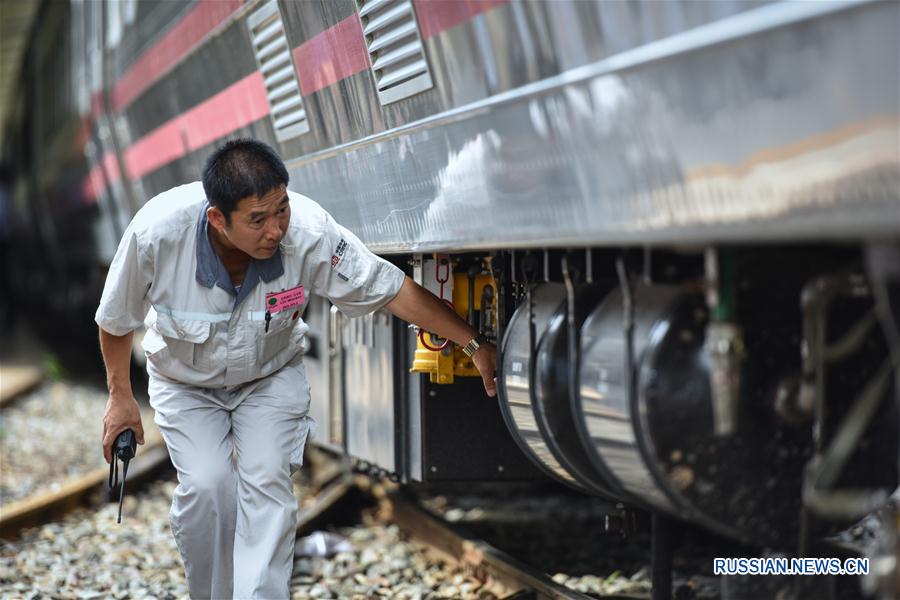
(473, 345)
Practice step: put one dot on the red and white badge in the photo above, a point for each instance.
(285, 299)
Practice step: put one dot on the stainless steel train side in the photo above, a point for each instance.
(686, 213)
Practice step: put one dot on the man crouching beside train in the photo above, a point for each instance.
(221, 272)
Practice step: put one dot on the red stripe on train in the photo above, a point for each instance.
(340, 51)
(333, 55)
(321, 61)
(436, 16)
(101, 176)
(236, 106)
(93, 185)
(97, 109)
(183, 37)
(111, 167)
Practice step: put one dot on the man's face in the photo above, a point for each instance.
(257, 223)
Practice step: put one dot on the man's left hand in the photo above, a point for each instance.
(485, 359)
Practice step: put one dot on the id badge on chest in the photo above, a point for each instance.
(283, 300)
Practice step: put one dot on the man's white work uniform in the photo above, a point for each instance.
(224, 376)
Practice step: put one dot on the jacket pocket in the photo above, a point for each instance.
(185, 338)
(306, 429)
(278, 337)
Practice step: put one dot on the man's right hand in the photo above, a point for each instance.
(122, 412)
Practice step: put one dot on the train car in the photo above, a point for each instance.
(680, 222)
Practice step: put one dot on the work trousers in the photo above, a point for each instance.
(234, 514)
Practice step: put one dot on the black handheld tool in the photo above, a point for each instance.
(124, 449)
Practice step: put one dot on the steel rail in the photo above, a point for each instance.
(487, 562)
(76, 493)
(507, 576)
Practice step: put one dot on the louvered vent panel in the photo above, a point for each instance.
(395, 48)
(273, 55)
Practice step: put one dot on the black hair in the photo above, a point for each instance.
(239, 169)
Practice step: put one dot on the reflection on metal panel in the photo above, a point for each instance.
(273, 55)
(413, 444)
(475, 50)
(335, 426)
(719, 134)
(369, 389)
(395, 48)
(317, 361)
(607, 414)
(515, 385)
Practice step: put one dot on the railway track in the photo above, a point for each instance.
(332, 493)
(81, 492)
(509, 577)
(87, 489)
(500, 573)
(339, 495)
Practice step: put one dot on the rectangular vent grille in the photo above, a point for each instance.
(395, 48)
(273, 55)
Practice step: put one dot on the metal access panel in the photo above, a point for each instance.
(462, 436)
(370, 392)
(398, 421)
(452, 432)
(320, 355)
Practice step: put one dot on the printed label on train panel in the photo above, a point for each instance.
(278, 301)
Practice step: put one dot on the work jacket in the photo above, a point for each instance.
(203, 331)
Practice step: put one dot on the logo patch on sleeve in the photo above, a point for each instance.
(338, 253)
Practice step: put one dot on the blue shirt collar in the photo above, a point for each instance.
(211, 271)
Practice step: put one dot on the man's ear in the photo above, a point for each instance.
(216, 217)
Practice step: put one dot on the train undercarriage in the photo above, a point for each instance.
(747, 390)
